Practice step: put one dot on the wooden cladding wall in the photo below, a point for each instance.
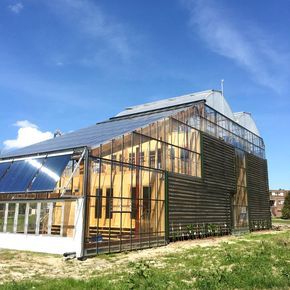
(258, 189)
(198, 201)
(219, 163)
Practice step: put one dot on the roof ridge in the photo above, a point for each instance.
(149, 112)
(171, 98)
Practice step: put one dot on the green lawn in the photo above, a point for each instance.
(260, 261)
(280, 221)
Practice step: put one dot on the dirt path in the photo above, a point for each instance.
(16, 265)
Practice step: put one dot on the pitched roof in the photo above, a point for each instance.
(246, 120)
(94, 135)
(213, 98)
(131, 119)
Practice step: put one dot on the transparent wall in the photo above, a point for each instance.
(240, 198)
(10, 218)
(73, 184)
(127, 186)
(168, 145)
(21, 217)
(126, 207)
(39, 218)
(212, 122)
(46, 178)
(32, 211)
(2, 216)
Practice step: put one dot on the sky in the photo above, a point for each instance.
(67, 64)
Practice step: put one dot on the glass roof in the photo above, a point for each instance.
(32, 174)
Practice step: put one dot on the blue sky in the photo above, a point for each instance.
(66, 64)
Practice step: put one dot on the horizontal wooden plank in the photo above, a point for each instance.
(206, 200)
(258, 189)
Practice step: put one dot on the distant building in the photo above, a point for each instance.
(277, 198)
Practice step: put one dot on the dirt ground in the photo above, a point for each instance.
(19, 265)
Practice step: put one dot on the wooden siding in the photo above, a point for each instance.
(207, 200)
(219, 163)
(258, 189)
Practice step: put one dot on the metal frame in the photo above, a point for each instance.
(63, 191)
(53, 154)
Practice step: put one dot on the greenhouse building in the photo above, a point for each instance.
(180, 168)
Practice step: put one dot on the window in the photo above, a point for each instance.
(132, 158)
(109, 203)
(184, 155)
(146, 201)
(98, 206)
(133, 203)
(114, 158)
(152, 159)
(172, 153)
(96, 166)
(159, 158)
(141, 158)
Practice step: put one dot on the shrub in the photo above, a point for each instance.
(286, 207)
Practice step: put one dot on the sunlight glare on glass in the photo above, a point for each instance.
(44, 169)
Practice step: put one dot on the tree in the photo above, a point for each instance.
(286, 207)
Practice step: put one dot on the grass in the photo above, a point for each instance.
(260, 261)
(280, 221)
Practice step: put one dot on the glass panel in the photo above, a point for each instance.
(131, 216)
(2, 216)
(32, 218)
(3, 168)
(44, 216)
(98, 204)
(21, 217)
(107, 150)
(127, 149)
(109, 203)
(117, 149)
(239, 199)
(69, 218)
(20, 175)
(56, 218)
(146, 202)
(50, 173)
(175, 133)
(10, 218)
(240, 216)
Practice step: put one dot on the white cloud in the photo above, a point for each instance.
(247, 45)
(98, 35)
(16, 8)
(28, 134)
(24, 124)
